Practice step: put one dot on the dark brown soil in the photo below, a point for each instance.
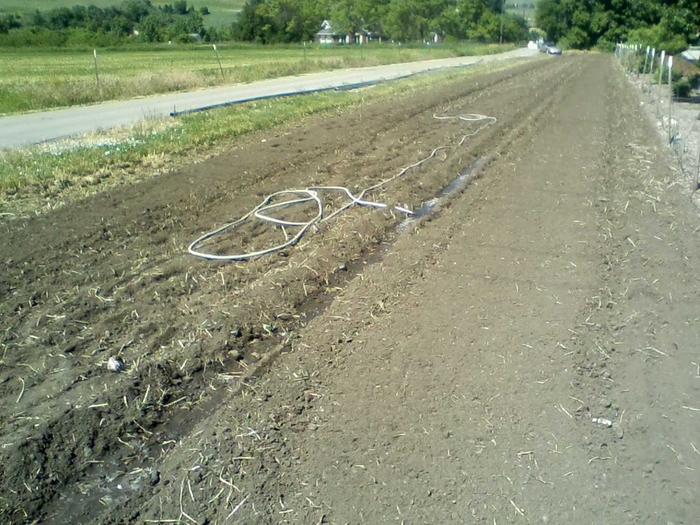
(448, 373)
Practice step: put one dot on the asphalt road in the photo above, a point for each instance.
(34, 128)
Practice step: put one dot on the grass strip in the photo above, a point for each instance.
(35, 79)
(45, 177)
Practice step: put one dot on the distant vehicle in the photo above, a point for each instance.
(548, 48)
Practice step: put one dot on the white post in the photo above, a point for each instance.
(670, 100)
(646, 60)
(221, 68)
(697, 176)
(661, 74)
(97, 73)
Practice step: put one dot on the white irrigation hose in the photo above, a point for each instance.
(312, 194)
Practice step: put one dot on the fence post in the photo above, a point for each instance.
(697, 174)
(97, 72)
(661, 74)
(646, 60)
(218, 58)
(670, 100)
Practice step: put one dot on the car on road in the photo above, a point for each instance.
(548, 48)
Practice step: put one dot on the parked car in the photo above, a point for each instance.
(548, 48)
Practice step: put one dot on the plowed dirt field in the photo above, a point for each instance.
(527, 351)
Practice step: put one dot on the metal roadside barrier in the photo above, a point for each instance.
(344, 87)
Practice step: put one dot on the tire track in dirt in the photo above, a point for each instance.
(237, 434)
(262, 425)
(634, 352)
(75, 441)
(456, 377)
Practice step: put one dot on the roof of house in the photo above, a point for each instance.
(326, 29)
(692, 54)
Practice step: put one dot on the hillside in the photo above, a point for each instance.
(223, 12)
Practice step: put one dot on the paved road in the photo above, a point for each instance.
(33, 128)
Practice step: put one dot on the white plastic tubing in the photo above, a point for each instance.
(314, 194)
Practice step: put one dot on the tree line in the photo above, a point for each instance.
(665, 24)
(140, 20)
(269, 21)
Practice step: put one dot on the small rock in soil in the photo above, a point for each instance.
(115, 364)
(602, 422)
(154, 478)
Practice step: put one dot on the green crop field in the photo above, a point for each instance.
(35, 78)
(223, 12)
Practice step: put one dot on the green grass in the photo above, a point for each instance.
(45, 176)
(34, 79)
(223, 12)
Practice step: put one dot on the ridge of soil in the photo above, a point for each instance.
(463, 369)
(118, 282)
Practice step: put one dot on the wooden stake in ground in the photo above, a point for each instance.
(97, 72)
(218, 58)
(646, 61)
(697, 175)
(670, 99)
(661, 74)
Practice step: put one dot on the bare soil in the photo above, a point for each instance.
(446, 372)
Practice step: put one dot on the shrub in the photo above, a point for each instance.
(681, 88)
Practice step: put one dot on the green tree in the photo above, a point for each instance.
(8, 22)
(669, 24)
(349, 16)
(153, 27)
(180, 7)
(407, 20)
